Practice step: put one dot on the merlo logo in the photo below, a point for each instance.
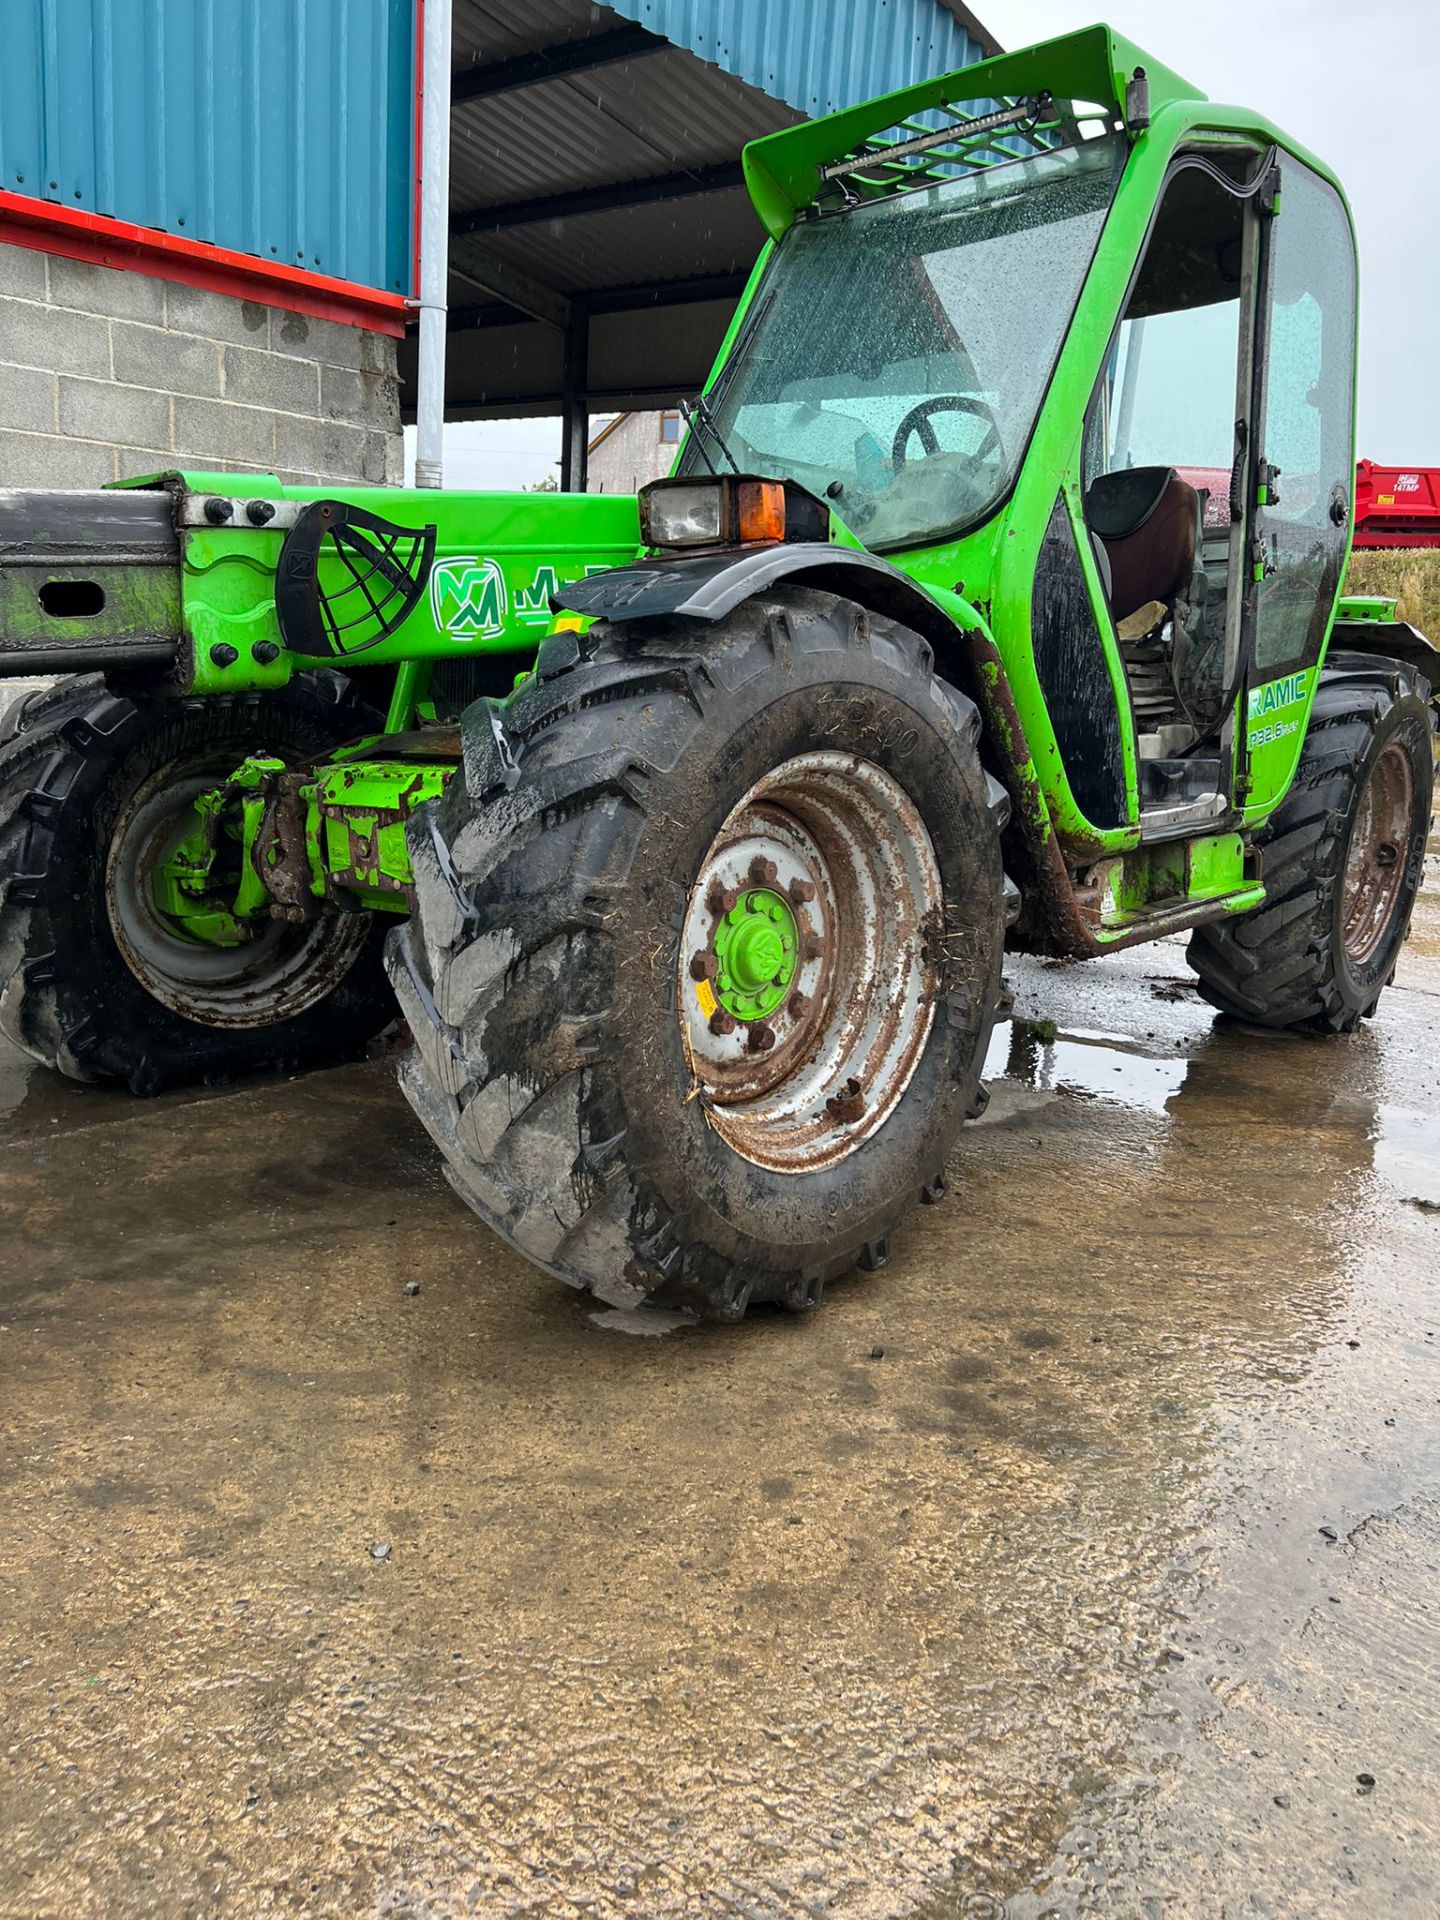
(467, 597)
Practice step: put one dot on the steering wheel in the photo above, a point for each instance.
(917, 421)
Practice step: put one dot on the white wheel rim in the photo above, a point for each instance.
(853, 858)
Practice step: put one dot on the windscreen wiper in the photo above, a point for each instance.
(701, 421)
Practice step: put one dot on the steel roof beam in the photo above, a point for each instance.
(652, 293)
(536, 301)
(666, 293)
(554, 63)
(622, 193)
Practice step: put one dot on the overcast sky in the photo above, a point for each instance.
(1356, 81)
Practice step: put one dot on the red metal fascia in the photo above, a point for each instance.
(104, 242)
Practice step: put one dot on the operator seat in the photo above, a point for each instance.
(1146, 523)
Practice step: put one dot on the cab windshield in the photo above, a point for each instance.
(900, 351)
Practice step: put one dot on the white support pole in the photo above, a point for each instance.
(434, 245)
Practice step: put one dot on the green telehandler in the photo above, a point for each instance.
(994, 600)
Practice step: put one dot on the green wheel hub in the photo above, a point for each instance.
(756, 948)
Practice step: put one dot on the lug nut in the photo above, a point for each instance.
(846, 1106)
(797, 1006)
(763, 872)
(721, 1023)
(703, 965)
(760, 1038)
(719, 898)
(800, 892)
(812, 946)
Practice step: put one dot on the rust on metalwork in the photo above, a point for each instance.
(278, 853)
(419, 743)
(848, 1105)
(1374, 880)
(1051, 920)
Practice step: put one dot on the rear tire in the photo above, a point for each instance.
(87, 990)
(553, 965)
(1343, 858)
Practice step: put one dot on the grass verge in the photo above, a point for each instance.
(1410, 575)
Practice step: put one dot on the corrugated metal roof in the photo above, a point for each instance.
(483, 31)
(620, 123)
(735, 69)
(627, 246)
(817, 59)
(281, 128)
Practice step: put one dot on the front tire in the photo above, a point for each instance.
(93, 981)
(1343, 858)
(706, 953)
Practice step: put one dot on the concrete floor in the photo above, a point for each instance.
(1083, 1562)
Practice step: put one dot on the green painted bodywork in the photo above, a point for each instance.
(498, 559)
(1370, 607)
(995, 563)
(359, 809)
(355, 810)
(499, 556)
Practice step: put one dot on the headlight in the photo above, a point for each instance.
(683, 514)
(732, 509)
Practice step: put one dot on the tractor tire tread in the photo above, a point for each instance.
(41, 758)
(498, 1072)
(1281, 965)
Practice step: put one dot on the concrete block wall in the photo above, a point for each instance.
(105, 374)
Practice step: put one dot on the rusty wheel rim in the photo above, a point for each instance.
(841, 843)
(273, 977)
(1375, 862)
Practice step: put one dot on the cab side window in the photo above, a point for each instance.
(1307, 434)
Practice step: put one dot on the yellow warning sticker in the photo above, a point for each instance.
(705, 994)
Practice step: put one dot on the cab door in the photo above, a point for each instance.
(1301, 473)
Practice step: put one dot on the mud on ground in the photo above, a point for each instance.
(1082, 1562)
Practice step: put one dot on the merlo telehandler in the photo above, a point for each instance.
(994, 599)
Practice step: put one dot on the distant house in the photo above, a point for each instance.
(632, 449)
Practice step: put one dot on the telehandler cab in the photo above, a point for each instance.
(994, 598)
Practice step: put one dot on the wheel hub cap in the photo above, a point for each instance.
(756, 945)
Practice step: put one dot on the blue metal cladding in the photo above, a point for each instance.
(279, 128)
(818, 55)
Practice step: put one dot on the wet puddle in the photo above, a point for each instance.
(1090, 1063)
(1082, 1562)
(1407, 1153)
